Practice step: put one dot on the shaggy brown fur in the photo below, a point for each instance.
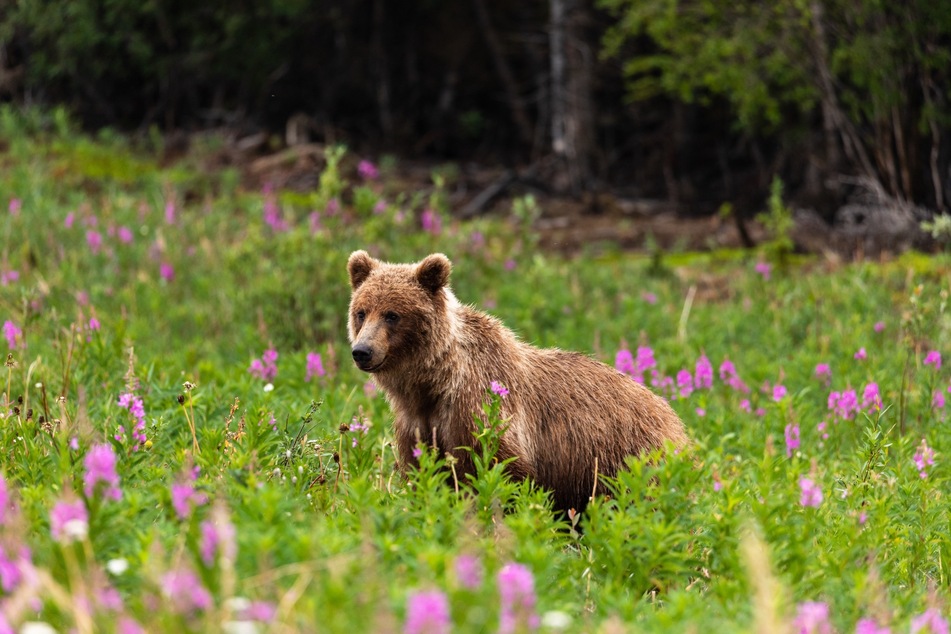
(436, 359)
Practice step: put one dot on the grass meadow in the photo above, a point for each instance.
(186, 446)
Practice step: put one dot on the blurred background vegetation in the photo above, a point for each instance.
(697, 103)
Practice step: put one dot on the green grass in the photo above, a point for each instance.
(327, 532)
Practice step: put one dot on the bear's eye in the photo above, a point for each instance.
(361, 315)
(391, 318)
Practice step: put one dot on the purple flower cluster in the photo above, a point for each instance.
(13, 335)
(273, 216)
(136, 407)
(185, 592)
(923, 458)
(427, 613)
(812, 617)
(367, 170)
(217, 538)
(517, 598)
(792, 439)
(933, 358)
(69, 521)
(811, 493)
(499, 389)
(315, 366)
(100, 463)
(266, 367)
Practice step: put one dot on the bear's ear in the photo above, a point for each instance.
(433, 272)
(360, 266)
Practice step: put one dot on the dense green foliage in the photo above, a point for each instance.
(135, 279)
(874, 74)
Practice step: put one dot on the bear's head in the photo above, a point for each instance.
(395, 309)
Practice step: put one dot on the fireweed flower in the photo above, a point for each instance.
(923, 458)
(100, 463)
(871, 399)
(764, 269)
(499, 389)
(431, 222)
(823, 371)
(125, 235)
(933, 358)
(185, 592)
(14, 568)
(15, 206)
(685, 383)
(8, 276)
(273, 216)
(870, 626)
(69, 521)
(650, 298)
(812, 617)
(315, 366)
(779, 392)
(931, 622)
(427, 613)
(745, 405)
(13, 335)
(937, 400)
(517, 595)
(703, 373)
(811, 494)
(792, 439)
(861, 355)
(185, 499)
(313, 221)
(728, 374)
(468, 571)
(844, 404)
(368, 171)
(624, 362)
(266, 367)
(94, 241)
(217, 538)
(167, 271)
(136, 408)
(170, 213)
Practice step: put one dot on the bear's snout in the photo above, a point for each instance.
(363, 356)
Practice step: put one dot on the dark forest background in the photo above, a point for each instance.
(695, 102)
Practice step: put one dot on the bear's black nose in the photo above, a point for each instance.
(362, 354)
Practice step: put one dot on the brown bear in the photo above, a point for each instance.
(567, 415)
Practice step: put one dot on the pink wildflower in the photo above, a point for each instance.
(6, 504)
(167, 271)
(779, 392)
(94, 240)
(923, 458)
(812, 618)
(185, 591)
(703, 375)
(368, 171)
(811, 493)
(764, 269)
(823, 371)
(843, 404)
(69, 220)
(185, 498)
(170, 213)
(260, 611)
(468, 571)
(727, 370)
(879, 326)
(93, 324)
(100, 463)
(333, 207)
(499, 389)
(861, 355)
(871, 399)
(15, 206)
(792, 439)
(685, 383)
(13, 335)
(517, 594)
(13, 568)
(313, 221)
(870, 626)
(933, 358)
(266, 367)
(136, 408)
(745, 405)
(315, 366)
(217, 538)
(380, 207)
(431, 221)
(937, 400)
(8, 276)
(510, 264)
(650, 298)
(624, 362)
(931, 622)
(427, 613)
(125, 235)
(69, 521)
